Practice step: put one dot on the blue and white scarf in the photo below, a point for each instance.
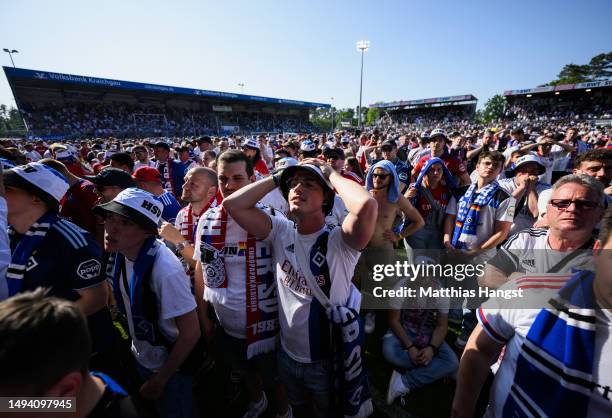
(145, 328)
(26, 247)
(351, 390)
(554, 370)
(469, 213)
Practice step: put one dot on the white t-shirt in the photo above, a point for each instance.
(510, 327)
(523, 218)
(232, 313)
(297, 321)
(171, 287)
(549, 162)
(502, 211)
(338, 213)
(275, 200)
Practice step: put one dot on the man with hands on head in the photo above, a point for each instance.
(333, 253)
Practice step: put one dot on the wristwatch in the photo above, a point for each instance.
(181, 246)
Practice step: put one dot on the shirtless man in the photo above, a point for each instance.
(383, 184)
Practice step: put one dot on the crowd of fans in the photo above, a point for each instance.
(86, 119)
(231, 275)
(542, 110)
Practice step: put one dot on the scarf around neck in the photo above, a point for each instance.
(261, 295)
(145, 327)
(26, 247)
(468, 213)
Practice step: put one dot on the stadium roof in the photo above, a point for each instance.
(447, 99)
(561, 87)
(22, 73)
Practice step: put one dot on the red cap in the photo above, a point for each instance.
(147, 174)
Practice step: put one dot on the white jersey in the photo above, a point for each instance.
(549, 162)
(275, 200)
(523, 218)
(529, 252)
(302, 323)
(338, 213)
(232, 313)
(172, 290)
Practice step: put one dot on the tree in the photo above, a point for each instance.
(10, 122)
(372, 115)
(599, 68)
(494, 108)
(321, 118)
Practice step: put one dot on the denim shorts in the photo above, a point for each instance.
(305, 382)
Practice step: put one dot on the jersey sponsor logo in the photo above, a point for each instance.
(403, 176)
(89, 269)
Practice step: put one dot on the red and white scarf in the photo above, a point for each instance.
(261, 295)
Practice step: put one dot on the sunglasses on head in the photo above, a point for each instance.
(580, 204)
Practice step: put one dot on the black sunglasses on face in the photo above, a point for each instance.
(380, 176)
(580, 204)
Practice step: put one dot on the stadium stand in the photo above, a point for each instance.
(59, 106)
(568, 102)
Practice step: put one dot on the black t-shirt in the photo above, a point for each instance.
(114, 403)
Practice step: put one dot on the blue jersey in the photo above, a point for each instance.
(171, 207)
(68, 260)
(404, 171)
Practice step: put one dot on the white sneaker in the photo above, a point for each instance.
(369, 322)
(255, 409)
(396, 387)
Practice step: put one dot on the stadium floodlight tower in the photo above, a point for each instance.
(362, 46)
(11, 52)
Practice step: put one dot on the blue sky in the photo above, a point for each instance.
(306, 49)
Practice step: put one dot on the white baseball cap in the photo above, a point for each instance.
(308, 146)
(39, 180)
(135, 204)
(438, 132)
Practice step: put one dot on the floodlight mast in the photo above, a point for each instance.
(362, 46)
(11, 52)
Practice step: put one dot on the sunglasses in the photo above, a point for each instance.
(563, 204)
(380, 176)
(387, 149)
